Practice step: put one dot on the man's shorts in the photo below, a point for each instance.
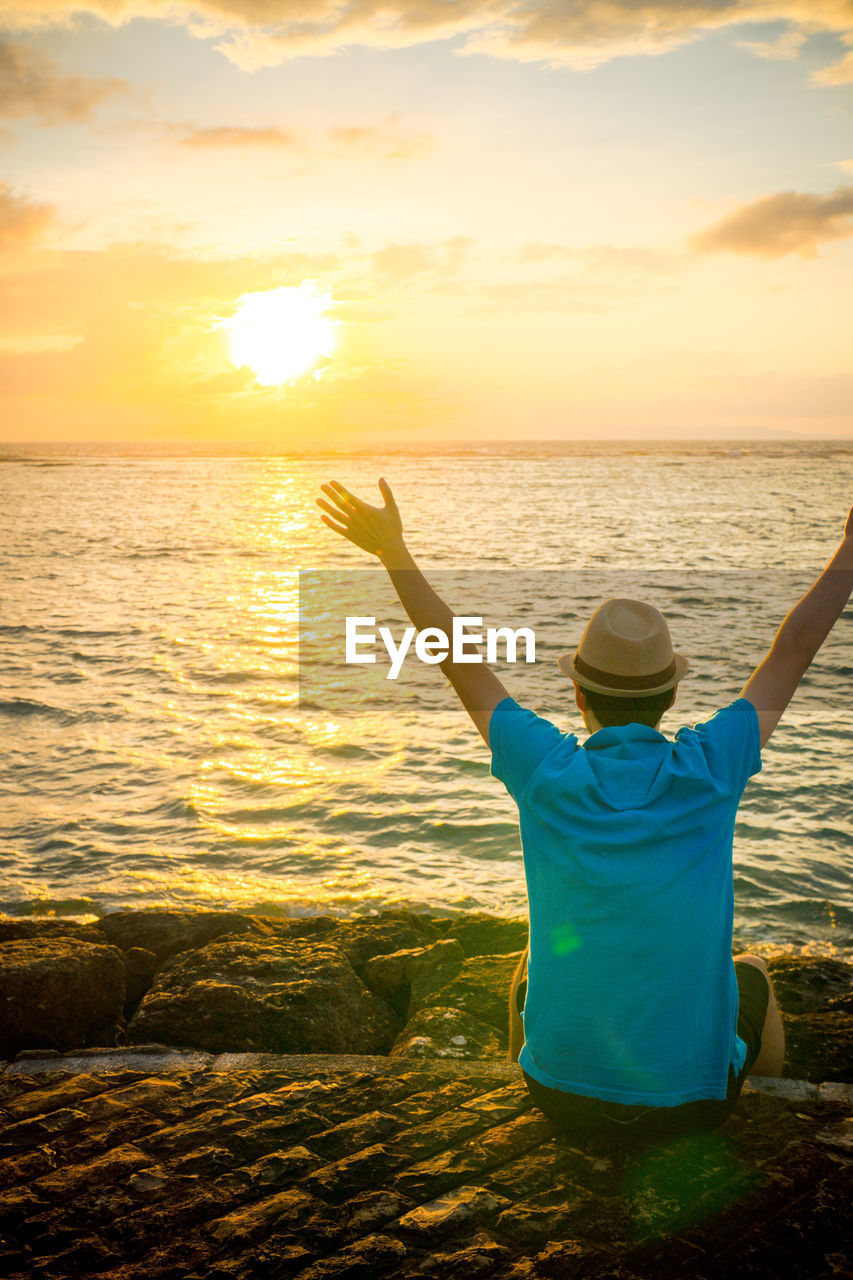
(613, 1121)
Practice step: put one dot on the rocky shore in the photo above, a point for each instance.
(218, 1096)
(397, 983)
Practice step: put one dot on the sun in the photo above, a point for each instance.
(281, 333)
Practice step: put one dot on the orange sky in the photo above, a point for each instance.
(622, 221)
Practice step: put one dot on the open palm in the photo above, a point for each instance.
(374, 529)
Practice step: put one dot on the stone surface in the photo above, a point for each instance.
(165, 932)
(819, 1045)
(56, 990)
(391, 976)
(478, 988)
(804, 984)
(15, 928)
(441, 1032)
(395, 1170)
(815, 996)
(263, 994)
(481, 934)
(363, 938)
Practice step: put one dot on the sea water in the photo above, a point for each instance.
(166, 740)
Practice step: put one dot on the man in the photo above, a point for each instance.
(636, 1020)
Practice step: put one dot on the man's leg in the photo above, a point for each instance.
(772, 1055)
(516, 1030)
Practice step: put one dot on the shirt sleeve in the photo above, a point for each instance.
(519, 740)
(732, 744)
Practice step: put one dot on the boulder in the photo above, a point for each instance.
(806, 984)
(55, 990)
(481, 934)
(815, 995)
(263, 995)
(429, 979)
(367, 936)
(391, 976)
(15, 928)
(446, 1033)
(167, 932)
(479, 987)
(819, 1046)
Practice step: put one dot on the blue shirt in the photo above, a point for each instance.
(627, 844)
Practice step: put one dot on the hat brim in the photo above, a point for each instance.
(566, 663)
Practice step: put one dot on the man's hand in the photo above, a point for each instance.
(378, 530)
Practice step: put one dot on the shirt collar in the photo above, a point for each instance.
(617, 734)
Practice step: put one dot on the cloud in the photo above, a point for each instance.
(405, 261)
(236, 136)
(41, 342)
(606, 259)
(21, 220)
(543, 276)
(388, 139)
(32, 85)
(839, 72)
(788, 222)
(784, 49)
(583, 34)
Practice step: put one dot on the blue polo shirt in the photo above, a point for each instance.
(627, 843)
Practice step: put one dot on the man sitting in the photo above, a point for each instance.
(636, 1019)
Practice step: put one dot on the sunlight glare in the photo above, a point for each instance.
(281, 333)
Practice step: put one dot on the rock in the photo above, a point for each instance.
(428, 980)
(838, 1136)
(54, 990)
(391, 976)
(258, 994)
(480, 987)
(166, 932)
(16, 928)
(448, 1213)
(815, 996)
(481, 934)
(446, 1033)
(482, 1256)
(819, 1046)
(538, 1217)
(363, 938)
(364, 1259)
(140, 966)
(409, 963)
(808, 984)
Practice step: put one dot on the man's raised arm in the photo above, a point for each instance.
(379, 531)
(772, 685)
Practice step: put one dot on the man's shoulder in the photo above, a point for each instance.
(520, 739)
(729, 740)
(733, 718)
(509, 707)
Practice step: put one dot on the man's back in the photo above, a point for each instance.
(625, 657)
(628, 855)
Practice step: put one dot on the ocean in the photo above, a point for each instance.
(168, 741)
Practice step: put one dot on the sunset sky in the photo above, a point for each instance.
(605, 218)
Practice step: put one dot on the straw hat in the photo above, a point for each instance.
(625, 651)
